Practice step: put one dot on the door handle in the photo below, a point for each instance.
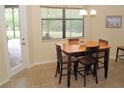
(23, 39)
(23, 43)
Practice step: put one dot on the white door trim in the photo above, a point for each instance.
(23, 24)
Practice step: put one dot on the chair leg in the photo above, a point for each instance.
(85, 72)
(95, 69)
(88, 69)
(98, 64)
(75, 69)
(116, 55)
(60, 77)
(57, 69)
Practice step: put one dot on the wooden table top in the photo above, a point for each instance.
(71, 48)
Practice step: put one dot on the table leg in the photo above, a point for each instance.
(106, 62)
(68, 71)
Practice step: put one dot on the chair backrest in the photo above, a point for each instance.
(59, 53)
(102, 41)
(92, 51)
(73, 41)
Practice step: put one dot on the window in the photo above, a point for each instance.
(12, 21)
(61, 23)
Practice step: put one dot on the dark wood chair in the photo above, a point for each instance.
(103, 42)
(62, 63)
(73, 41)
(101, 54)
(119, 56)
(89, 62)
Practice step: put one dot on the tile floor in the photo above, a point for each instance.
(43, 76)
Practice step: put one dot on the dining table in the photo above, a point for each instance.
(80, 49)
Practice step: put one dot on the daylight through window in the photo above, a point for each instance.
(61, 23)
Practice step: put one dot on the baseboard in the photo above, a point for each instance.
(14, 72)
(52, 61)
(42, 62)
(4, 81)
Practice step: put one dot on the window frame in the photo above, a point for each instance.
(63, 19)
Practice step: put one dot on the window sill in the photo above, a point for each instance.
(61, 39)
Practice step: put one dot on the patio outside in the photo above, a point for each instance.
(13, 36)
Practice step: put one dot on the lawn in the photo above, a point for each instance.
(55, 34)
(10, 34)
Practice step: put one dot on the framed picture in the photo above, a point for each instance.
(113, 21)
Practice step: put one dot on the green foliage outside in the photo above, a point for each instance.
(12, 22)
(73, 24)
(10, 34)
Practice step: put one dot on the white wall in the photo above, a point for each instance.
(3, 66)
(115, 36)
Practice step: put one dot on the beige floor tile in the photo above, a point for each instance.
(22, 83)
(43, 76)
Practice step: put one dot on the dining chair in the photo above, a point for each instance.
(62, 63)
(101, 54)
(102, 41)
(119, 56)
(73, 41)
(89, 62)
